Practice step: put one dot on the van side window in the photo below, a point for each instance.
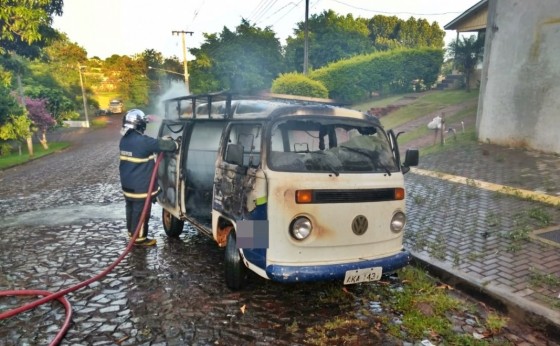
(248, 137)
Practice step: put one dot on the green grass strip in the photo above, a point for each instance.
(15, 159)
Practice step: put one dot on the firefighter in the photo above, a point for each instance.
(137, 161)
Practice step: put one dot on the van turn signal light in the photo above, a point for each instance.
(304, 196)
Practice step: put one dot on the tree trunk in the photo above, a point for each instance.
(468, 80)
(30, 145)
(43, 139)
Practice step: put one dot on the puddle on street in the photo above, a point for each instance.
(65, 215)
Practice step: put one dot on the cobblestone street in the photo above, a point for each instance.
(63, 222)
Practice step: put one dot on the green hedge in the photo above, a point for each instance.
(355, 78)
(298, 84)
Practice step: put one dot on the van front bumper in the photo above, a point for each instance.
(282, 273)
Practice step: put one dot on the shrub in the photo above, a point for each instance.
(355, 78)
(5, 149)
(298, 84)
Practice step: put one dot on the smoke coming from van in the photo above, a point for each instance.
(175, 89)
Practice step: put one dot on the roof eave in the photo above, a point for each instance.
(473, 9)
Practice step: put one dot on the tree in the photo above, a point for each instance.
(58, 104)
(41, 118)
(55, 78)
(9, 106)
(128, 76)
(466, 54)
(331, 38)
(152, 58)
(14, 123)
(25, 25)
(392, 32)
(60, 60)
(244, 60)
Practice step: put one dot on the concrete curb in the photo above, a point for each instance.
(508, 190)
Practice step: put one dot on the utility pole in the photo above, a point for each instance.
(177, 32)
(306, 40)
(83, 94)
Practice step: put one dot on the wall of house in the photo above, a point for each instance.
(475, 22)
(519, 101)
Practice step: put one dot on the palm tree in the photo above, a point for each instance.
(467, 53)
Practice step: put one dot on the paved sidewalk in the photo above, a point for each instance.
(485, 217)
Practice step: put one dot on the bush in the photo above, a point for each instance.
(298, 84)
(5, 149)
(355, 78)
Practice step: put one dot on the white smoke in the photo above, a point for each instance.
(175, 89)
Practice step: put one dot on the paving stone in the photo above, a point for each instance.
(174, 294)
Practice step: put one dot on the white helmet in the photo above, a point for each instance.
(134, 119)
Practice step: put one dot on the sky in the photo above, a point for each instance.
(128, 27)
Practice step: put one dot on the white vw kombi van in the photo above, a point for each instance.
(295, 190)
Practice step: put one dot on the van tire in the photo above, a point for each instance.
(172, 226)
(235, 271)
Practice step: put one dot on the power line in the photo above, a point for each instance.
(395, 13)
(197, 11)
(297, 5)
(280, 9)
(265, 10)
(263, 5)
(257, 8)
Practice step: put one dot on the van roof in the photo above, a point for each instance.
(225, 105)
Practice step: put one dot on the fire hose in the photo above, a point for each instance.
(49, 296)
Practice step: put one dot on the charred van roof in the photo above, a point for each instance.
(264, 106)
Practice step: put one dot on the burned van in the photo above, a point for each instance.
(294, 190)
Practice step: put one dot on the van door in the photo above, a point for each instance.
(169, 172)
(238, 171)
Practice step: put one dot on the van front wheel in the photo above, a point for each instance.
(172, 226)
(235, 270)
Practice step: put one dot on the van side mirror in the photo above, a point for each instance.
(234, 154)
(410, 159)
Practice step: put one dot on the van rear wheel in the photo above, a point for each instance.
(235, 271)
(172, 226)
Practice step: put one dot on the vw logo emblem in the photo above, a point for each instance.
(359, 225)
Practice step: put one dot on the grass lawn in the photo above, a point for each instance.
(15, 159)
(382, 102)
(99, 121)
(456, 118)
(426, 104)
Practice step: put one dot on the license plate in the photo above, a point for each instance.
(362, 275)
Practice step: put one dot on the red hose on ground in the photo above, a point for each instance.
(48, 296)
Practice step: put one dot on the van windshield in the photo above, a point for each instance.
(331, 146)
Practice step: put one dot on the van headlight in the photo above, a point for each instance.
(301, 228)
(397, 222)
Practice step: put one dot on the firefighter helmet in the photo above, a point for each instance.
(134, 119)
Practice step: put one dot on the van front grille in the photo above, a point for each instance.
(353, 196)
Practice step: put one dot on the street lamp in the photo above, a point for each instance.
(83, 94)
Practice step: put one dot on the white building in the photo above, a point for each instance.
(519, 103)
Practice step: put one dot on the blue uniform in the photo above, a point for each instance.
(137, 161)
